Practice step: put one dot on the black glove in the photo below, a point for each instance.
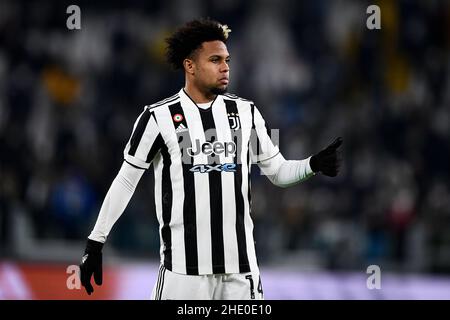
(91, 263)
(327, 160)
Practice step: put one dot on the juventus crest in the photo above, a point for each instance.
(235, 122)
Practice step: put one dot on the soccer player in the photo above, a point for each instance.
(202, 142)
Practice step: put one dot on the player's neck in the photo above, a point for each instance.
(196, 95)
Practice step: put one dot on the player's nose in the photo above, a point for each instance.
(224, 67)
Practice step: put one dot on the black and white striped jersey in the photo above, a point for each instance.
(202, 160)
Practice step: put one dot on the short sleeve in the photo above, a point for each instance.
(145, 141)
(262, 146)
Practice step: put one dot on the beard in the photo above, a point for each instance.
(216, 90)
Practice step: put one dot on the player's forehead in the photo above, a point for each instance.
(214, 48)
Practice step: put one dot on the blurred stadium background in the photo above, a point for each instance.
(68, 100)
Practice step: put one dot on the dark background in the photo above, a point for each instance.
(69, 98)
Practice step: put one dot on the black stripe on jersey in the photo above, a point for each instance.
(156, 146)
(254, 136)
(189, 209)
(139, 132)
(231, 107)
(256, 148)
(249, 189)
(167, 195)
(164, 101)
(267, 127)
(252, 108)
(215, 196)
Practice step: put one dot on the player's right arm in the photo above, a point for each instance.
(144, 143)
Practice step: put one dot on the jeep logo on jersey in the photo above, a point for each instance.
(235, 122)
(208, 148)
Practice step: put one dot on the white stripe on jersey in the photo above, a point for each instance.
(157, 165)
(201, 180)
(176, 174)
(147, 140)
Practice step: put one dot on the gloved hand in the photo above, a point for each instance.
(327, 160)
(91, 263)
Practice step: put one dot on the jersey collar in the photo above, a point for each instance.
(187, 99)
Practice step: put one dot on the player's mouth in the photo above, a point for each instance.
(223, 80)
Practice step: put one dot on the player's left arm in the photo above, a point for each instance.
(285, 173)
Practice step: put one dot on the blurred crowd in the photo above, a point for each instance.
(69, 98)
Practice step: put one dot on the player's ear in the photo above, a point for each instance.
(188, 65)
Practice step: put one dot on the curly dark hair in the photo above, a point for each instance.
(188, 38)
